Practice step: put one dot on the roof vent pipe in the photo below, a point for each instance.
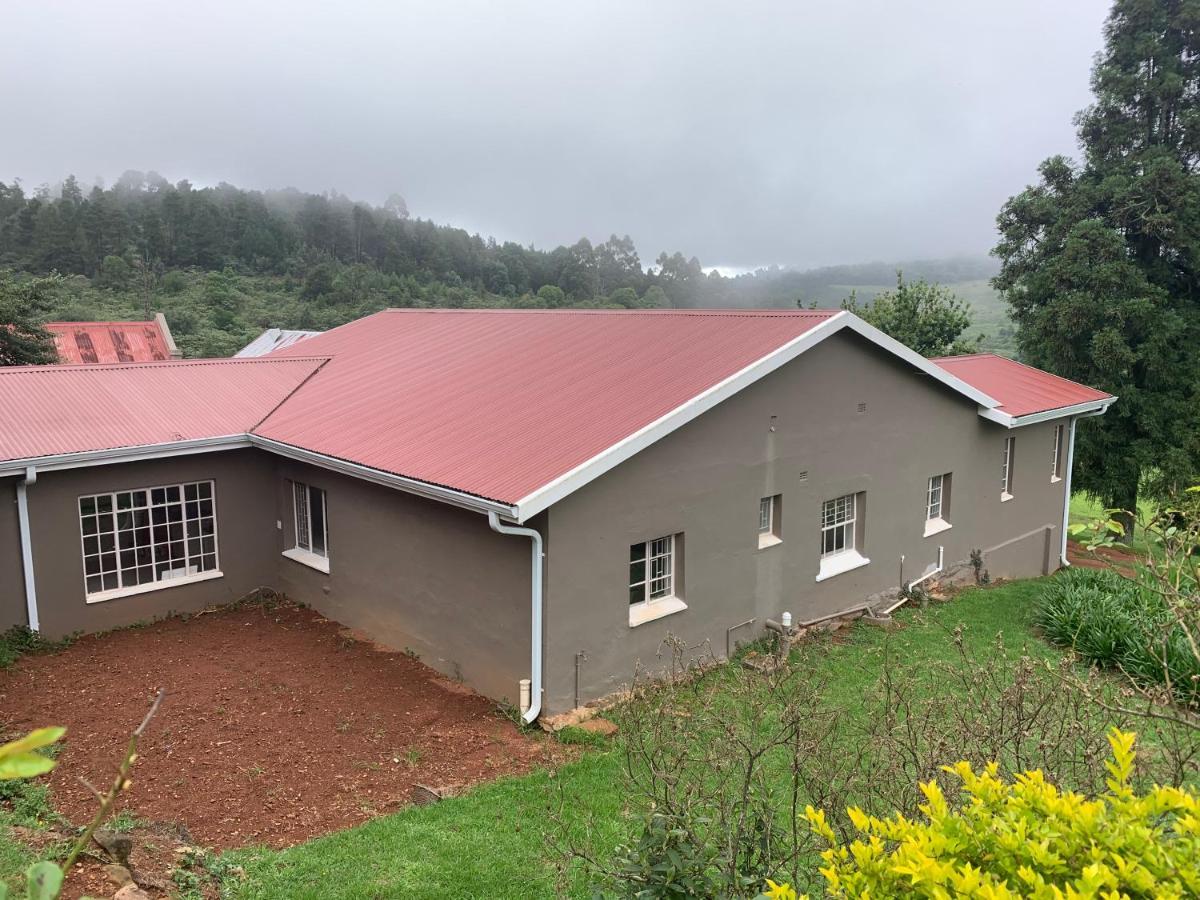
(31, 608)
(535, 663)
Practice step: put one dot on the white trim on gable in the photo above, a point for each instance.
(588, 471)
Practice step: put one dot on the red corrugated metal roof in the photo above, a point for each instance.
(500, 403)
(47, 410)
(109, 342)
(1022, 390)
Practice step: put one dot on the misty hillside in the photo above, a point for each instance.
(223, 263)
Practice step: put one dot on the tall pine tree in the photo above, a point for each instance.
(1101, 259)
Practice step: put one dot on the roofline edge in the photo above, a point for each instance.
(1087, 408)
(591, 469)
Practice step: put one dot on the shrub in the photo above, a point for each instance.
(1123, 623)
(1024, 838)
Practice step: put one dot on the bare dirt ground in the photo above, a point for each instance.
(1119, 558)
(277, 725)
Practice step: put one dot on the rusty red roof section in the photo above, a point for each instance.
(49, 410)
(499, 403)
(1022, 390)
(109, 342)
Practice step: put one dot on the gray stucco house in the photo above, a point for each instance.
(516, 494)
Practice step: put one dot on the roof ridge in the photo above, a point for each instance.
(158, 364)
(715, 311)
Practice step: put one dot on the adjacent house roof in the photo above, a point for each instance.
(112, 342)
(50, 410)
(1022, 390)
(273, 339)
(497, 410)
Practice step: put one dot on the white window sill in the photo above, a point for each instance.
(307, 558)
(152, 586)
(936, 526)
(1055, 479)
(768, 540)
(842, 562)
(1005, 496)
(641, 613)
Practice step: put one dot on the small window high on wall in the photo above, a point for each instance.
(1006, 482)
(1056, 464)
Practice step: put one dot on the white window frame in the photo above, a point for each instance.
(836, 561)
(768, 522)
(657, 590)
(192, 569)
(1056, 459)
(1006, 493)
(301, 550)
(935, 504)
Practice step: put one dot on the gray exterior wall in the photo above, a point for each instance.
(12, 581)
(415, 574)
(705, 481)
(244, 482)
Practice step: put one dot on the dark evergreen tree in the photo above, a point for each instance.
(1100, 260)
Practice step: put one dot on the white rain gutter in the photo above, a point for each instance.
(535, 664)
(31, 607)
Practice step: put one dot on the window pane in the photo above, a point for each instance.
(300, 499)
(637, 551)
(637, 572)
(637, 593)
(87, 506)
(316, 501)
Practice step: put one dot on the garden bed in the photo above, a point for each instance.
(277, 725)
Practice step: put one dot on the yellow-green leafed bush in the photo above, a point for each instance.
(1025, 839)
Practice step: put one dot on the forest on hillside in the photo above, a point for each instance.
(223, 263)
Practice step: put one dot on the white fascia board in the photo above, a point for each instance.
(124, 454)
(571, 481)
(1090, 408)
(387, 479)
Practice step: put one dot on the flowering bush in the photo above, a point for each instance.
(1024, 838)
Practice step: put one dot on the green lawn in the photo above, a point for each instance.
(493, 842)
(501, 839)
(1085, 511)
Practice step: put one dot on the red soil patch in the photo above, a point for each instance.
(277, 725)
(1121, 559)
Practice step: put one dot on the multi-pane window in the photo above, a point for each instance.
(132, 538)
(312, 528)
(1056, 458)
(933, 497)
(652, 570)
(837, 525)
(1007, 480)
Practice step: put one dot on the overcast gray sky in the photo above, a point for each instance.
(745, 133)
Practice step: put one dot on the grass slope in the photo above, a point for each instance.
(494, 841)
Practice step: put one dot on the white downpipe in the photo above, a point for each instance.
(535, 663)
(1067, 493)
(928, 575)
(31, 607)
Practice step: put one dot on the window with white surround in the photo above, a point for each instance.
(140, 540)
(840, 534)
(652, 579)
(769, 521)
(937, 504)
(1057, 458)
(1006, 492)
(311, 527)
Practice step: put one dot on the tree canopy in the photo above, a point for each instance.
(23, 302)
(929, 318)
(1099, 260)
